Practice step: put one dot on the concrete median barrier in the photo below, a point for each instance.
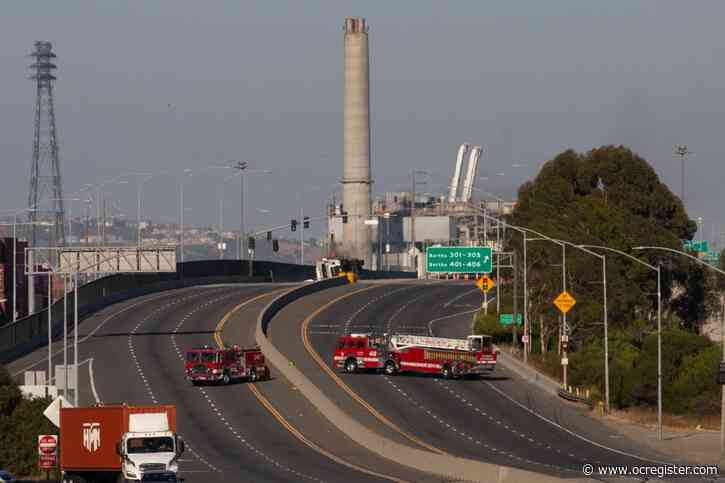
(449, 467)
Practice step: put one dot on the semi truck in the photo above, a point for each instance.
(338, 267)
(214, 365)
(393, 354)
(119, 443)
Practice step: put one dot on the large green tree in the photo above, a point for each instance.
(608, 196)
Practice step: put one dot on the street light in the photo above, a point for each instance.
(412, 205)
(243, 168)
(522, 232)
(70, 215)
(659, 324)
(606, 324)
(139, 187)
(681, 151)
(701, 262)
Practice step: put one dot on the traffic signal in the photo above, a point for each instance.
(269, 235)
(306, 222)
(251, 243)
(344, 216)
(293, 225)
(275, 245)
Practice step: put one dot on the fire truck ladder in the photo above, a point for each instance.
(404, 341)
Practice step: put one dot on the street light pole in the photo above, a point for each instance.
(565, 328)
(681, 151)
(657, 269)
(15, 266)
(659, 354)
(606, 336)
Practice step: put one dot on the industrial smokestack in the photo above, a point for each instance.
(456, 180)
(356, 133)
(471, 174)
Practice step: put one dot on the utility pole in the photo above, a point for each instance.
(515, 302)
(564, 327)
(722, 404)
(681, 151)
(302, 237)
(241, 166)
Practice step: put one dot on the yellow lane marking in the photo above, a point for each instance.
(278, 416)
(345, 387)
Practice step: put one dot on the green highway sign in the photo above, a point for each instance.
(713, 256)
(459, 260)
(699, 246)
(508, 319)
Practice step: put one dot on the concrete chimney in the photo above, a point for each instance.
(356, 133)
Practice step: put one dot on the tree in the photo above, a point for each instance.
(608, 196)
(10, 394)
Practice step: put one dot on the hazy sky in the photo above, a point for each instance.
(168, 85)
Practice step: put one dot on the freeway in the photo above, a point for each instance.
(498, 419)
(133, 353)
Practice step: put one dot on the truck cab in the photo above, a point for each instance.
(149, 455)
(359, 352)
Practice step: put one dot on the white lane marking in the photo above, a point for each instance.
(458, 297)
(132, 352)
(93, 382)
(401, 308)
(91, 333)
(430, 323)
(468, 437)
(572, 433)
(370, 302)
(218, 412)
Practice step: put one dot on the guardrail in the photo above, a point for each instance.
(27, 334)
(447, 466)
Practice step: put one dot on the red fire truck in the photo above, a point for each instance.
(211, 364)
(397, 353)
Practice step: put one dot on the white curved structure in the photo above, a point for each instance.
(471, 174)
(455, 181)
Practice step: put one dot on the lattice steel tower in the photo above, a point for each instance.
(45, 199)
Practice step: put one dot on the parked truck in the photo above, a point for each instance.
(393, 354)
(210, 364)
(119, 443)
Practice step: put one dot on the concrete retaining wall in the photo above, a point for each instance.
(451, 467)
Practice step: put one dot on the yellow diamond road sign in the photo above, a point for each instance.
(484, 283)
(564, 302)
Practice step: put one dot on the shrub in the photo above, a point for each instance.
(21, 421)
(489, 325)
(695, 389)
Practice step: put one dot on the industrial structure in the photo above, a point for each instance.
(399, 229)
(356, 132)
(45, 199)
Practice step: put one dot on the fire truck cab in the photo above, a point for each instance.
(211, 364)
(356, 352)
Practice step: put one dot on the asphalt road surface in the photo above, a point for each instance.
(132, 352)
(498, 418)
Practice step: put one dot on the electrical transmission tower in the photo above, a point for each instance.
(45, 200)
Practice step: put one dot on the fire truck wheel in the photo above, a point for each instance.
(350, 366)
(390, 368)
(446, 371)
(226, 379)
(252, 375)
